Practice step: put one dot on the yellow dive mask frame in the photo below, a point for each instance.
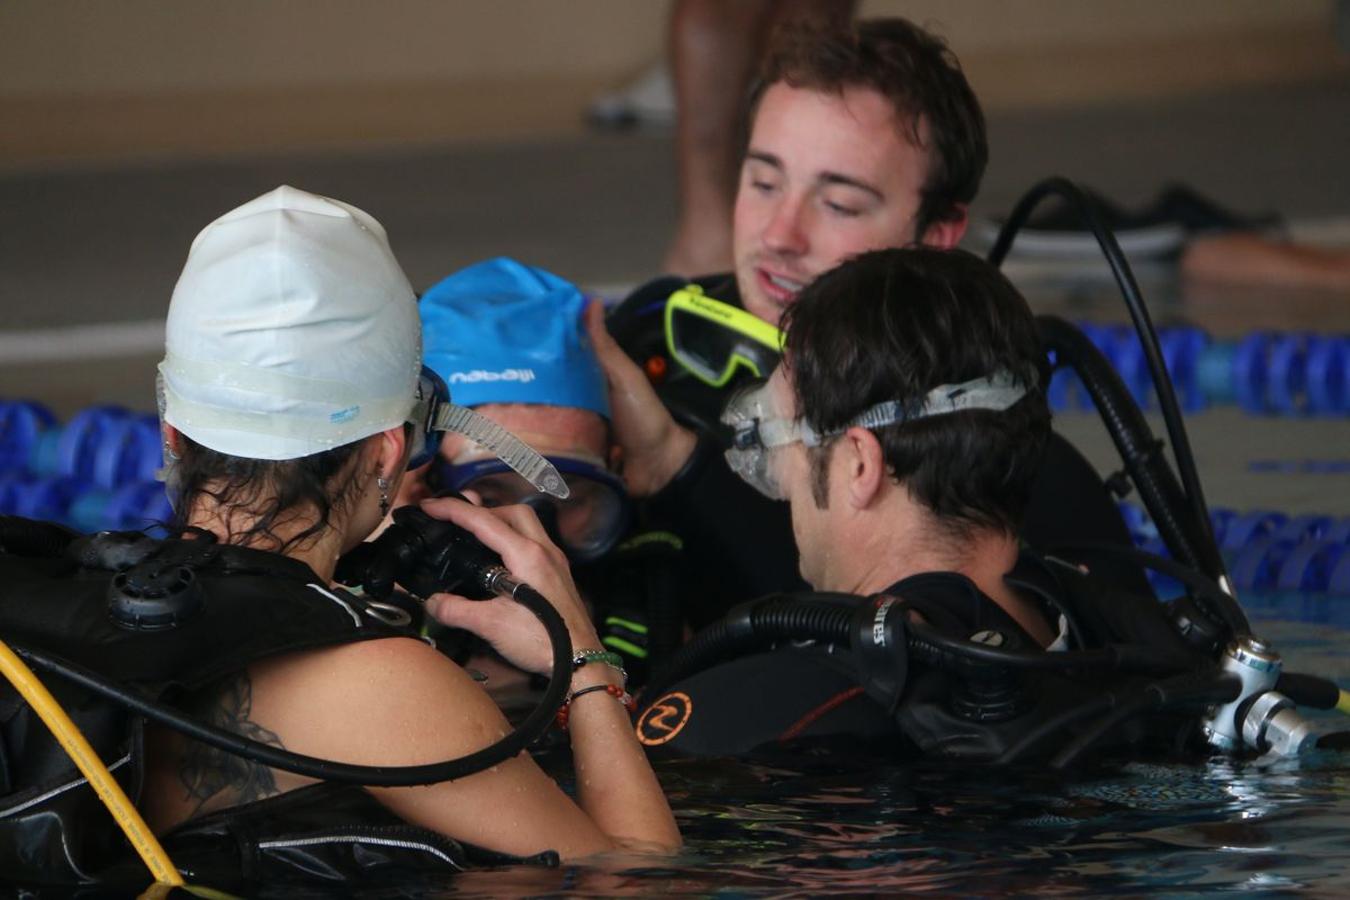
(712, 339)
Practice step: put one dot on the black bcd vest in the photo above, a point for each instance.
(64, 595)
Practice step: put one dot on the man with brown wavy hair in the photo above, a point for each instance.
(859, 139)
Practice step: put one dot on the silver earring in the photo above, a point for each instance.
(383, 484)
(168, 452)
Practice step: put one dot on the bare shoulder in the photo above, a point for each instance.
(379, 702)
(381, 664)
(391, 701)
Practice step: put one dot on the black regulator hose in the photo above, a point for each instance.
(1138, 448)
(760, 623)
(1309, 690)
(930, 645)
(1184, 690)
(754, 626)
(508, 747)
(1208, 596)
(1205, 548)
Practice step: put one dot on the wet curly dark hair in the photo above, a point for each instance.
(895, 324)
(269, 493)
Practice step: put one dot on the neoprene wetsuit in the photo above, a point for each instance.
(816, 690)
(746, 539)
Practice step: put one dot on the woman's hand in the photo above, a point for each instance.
(516, 534)
(655, 446)
(614, 782)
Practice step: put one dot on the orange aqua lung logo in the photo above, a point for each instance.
(664, 719)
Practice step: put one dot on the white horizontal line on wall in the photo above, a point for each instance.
(76, 342)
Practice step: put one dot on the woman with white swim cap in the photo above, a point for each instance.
(292, 361)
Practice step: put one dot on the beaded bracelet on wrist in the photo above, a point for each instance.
(614, 690)
(608, 657)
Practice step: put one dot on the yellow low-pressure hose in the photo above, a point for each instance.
(109, 791)
(1344, 704)
(159, 890)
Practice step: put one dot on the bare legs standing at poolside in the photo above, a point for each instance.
(715, 47)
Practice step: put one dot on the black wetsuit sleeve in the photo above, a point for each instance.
(742, 540)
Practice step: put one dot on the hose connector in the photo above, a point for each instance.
(1272, 725)
(1257, 666)
(499, 582)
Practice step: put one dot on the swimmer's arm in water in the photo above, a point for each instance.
(655, 446)
(398, 702)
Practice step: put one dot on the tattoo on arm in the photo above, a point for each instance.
(223, 779)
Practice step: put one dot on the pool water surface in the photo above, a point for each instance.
(836, 818)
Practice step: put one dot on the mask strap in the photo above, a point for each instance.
(996, 392)
(521, 457)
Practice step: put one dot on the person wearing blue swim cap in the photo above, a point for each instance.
(510, 341)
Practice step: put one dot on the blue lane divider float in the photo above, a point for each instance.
(93, 473)
(140, 504)
(42, 498)
(22, 423)
(1300, 466)
(1266, 551)
(108, 445)
(82, 505)
(1264, 373)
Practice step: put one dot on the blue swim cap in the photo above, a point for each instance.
(504, 332)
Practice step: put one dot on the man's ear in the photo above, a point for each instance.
(946, 234)
(866, 466)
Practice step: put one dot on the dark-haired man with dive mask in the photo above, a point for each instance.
(904, 429)
(864, 138)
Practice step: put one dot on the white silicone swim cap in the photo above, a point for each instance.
(292, 330)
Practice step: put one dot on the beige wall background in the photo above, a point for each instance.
(165, 46)
(85, 80)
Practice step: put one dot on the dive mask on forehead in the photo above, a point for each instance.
(585, 525)
(758, 426)
(713, 340)
(433, 415)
